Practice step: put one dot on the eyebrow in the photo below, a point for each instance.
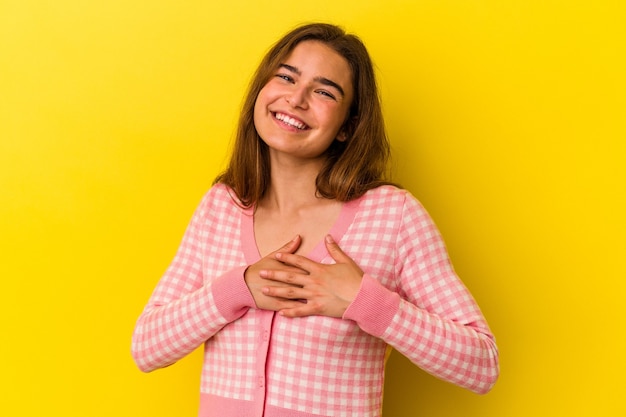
(321, 80)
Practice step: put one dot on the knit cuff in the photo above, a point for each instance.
(373, 307)
(231, 294)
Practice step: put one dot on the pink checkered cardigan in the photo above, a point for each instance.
(258, 363)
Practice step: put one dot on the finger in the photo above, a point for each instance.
(301, 262)
(280, 304)
(281, 272)
(334, 250)
(302, 310)
(291, 246)
(289, 275)
(286, 293)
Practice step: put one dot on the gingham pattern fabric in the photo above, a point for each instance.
(257, 363)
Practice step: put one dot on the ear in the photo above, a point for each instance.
(347, 129)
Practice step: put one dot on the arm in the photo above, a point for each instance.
(167, 331)
(433, 320)
(185, 309)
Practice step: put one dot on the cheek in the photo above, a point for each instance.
(338, 118)
(266, 96)
(259, 106)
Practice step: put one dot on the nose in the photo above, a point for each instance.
(297, 97)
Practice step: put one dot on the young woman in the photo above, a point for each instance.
(301, 267)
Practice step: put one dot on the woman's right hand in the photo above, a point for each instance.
(256, 284)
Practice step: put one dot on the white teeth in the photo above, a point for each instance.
(290, 121)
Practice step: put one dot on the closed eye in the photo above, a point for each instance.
(327, 94)
(285, 77)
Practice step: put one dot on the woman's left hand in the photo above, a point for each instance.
(324, 289)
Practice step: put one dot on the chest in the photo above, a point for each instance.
(272, 231)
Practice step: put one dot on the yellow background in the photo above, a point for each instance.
(507, 121)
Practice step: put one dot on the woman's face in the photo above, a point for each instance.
(303, 107)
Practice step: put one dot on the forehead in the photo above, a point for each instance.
(316, 59)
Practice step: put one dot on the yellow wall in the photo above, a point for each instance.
(507, 120)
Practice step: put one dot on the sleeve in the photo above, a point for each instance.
(433, 319)
(186, 309)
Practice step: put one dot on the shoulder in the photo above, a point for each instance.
(385, 196)
(221, 192)
(220, 199)
(386, 191)
(389, 199)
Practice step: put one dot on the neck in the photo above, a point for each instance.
(292, 185)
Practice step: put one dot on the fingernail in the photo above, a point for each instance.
(279, 255)
(329, 239)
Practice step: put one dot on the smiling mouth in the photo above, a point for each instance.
(290, 121)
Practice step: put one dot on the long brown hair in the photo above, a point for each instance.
(353, 166)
